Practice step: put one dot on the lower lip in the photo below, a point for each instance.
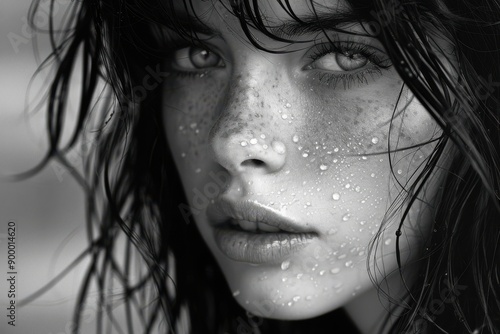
(259, 248)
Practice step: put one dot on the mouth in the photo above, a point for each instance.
(247, 231)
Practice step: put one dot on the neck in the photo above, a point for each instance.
(370, 311)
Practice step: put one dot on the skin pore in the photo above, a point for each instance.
(303, 133)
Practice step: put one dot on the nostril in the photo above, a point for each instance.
(253, 163)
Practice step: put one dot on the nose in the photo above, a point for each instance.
(245, 138)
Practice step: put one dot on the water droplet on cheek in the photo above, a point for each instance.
(243, 143)
(323, 167)
(236, 293)
(387, 242)
(336, 196)
(374, 140)
(295, 139)
(332, 231)
(285, 265)
(284, 116)
(253, 141)
(296, 298)
(346, 217)
(335, 271)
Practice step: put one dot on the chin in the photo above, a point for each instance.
(292, 299)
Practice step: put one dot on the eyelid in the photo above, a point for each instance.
(203, 46)
(372, 53)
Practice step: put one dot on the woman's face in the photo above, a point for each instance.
(283, 156)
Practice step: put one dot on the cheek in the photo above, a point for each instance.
(190, 108)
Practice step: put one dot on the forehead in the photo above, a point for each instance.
(269, 10)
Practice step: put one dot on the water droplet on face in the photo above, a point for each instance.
(236, 293)
(288, 105)
(183, 155)
(346, 217)
(285, 265)
(335, 271)
(253, 141)
(305, 155)
(263, 136)
(278, 147)
(332, 231)
(348, 263)
(296, 298)
(265, 147)
(372, 174)
(295, 138)
(322, 272)
(309, 298)
(323, 167)
(387, 242)
(400, 171)
(336, 196)
(193, 125)
(243, 143)
(284, 116)
(357, 189)
(290, 303)
(347, 186)
(374, 140)
(181, 127)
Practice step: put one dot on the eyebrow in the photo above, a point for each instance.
(293, 27)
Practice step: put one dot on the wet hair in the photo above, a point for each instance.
(166, 276)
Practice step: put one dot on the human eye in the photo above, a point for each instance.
(347, 63)
(194, 60)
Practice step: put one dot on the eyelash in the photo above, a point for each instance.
(332, 79)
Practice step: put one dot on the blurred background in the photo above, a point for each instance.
(48, 208)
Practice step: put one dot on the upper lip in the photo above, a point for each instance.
(222, 210)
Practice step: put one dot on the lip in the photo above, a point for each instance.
(254, 247)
